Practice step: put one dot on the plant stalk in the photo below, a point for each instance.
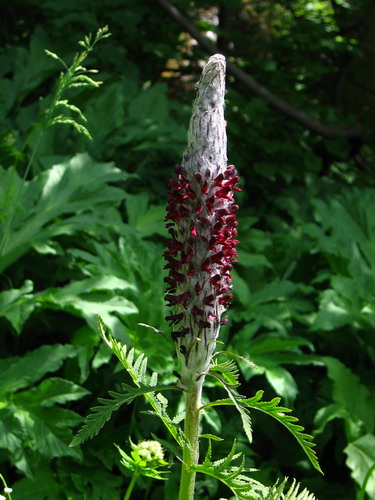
(191, 447)
(131, 486)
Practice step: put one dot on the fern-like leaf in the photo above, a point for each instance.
(233, 476)
(137, 369)
(276, 492)
(280, 413)
(236, 478)
(235, 398)
(228, 370)
(101, 414)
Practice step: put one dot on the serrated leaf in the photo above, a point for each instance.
(236, 401)
(233, 476)
(228, 370)
(279, 413)
(101, 414)
(277, 492)
(138, 371)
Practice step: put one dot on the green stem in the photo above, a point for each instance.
(362, 493)
(191, 447)
(131, 486)
(5, 486)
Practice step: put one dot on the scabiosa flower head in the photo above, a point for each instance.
(201, 221)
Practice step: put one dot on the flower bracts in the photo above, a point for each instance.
(202, 224)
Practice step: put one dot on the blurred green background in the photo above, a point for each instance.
(86, 236)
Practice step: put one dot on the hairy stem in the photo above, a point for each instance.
(191, 447)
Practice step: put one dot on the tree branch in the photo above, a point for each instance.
(315, 126)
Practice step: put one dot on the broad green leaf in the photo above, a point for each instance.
(253, 259)
(49, 392)
(270, 343)
(152, 103)
(43, 486)
(242, 288)
(283, 383)
(11, 434)
(48, 430)
(212, 417)
(17, 373)
(332, 314)
(145, 218)
(349, 393)
(90, 297)
(353, 424)
(17, 304)
(360, 458)
(74, 188)
(30, 68)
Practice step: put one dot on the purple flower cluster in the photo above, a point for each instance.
(201, 220)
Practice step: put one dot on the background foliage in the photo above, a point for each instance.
(87, 233)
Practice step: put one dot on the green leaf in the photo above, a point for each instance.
(237, 402)
(211, 436)
(276, 492)
(228, 370)
(350, 394)
(283, 382)
(145, 386)
(327, 413)
(11, 433)
(101, 414)
(87, 298)
(16, 305)
(49, 392)
(41, 487)
(152, 103)
(233, 476)
(279, 413)
(48, 430)
(17, 373)
(360, 458)
(57, 201)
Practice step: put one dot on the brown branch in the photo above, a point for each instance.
(325, 130)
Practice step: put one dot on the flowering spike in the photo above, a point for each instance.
(202, 245)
